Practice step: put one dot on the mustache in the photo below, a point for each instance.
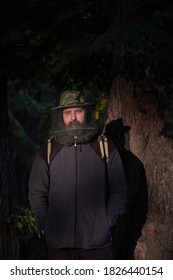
(74, 124)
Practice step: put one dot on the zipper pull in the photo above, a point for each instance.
(75, 139)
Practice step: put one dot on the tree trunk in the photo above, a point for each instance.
(140, 111)
(7, 176)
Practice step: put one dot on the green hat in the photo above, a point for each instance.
(73, 98)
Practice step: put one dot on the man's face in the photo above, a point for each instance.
(74, 117)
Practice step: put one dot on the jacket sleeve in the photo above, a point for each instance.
(117, 196)
(38, 189)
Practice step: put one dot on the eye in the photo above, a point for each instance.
(79, 111)
(67, 112)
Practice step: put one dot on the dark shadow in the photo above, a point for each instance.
(130, 224)
(33, 249)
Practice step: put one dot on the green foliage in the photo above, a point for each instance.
(67, 41)
(24, 224)
(101, 105)
(30, 114)
(88, 43)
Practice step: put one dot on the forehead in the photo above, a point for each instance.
(73, 109)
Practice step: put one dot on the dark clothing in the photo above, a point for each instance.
(81, 254)
(70, 200)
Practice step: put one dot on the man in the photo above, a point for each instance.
(75, 194)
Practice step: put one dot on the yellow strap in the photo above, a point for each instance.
(48, 151)
(103, 142)
(101, 148)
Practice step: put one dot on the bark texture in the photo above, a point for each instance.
(139, 109)
(8, 246)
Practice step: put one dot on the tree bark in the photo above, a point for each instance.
(139, 109)
(7, 175)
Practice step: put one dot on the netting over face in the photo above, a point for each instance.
(77, 130)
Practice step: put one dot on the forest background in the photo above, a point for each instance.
(121, 52)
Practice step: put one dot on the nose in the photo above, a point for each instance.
(73, 115)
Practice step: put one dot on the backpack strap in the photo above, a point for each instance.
(103, 143)
(49, 147)
(49, 150)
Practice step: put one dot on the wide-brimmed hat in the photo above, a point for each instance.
(117, 126)
(73, 98)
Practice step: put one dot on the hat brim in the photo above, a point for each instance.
(127, 128)
(73, 106)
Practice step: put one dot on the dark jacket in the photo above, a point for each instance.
(69, 198)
